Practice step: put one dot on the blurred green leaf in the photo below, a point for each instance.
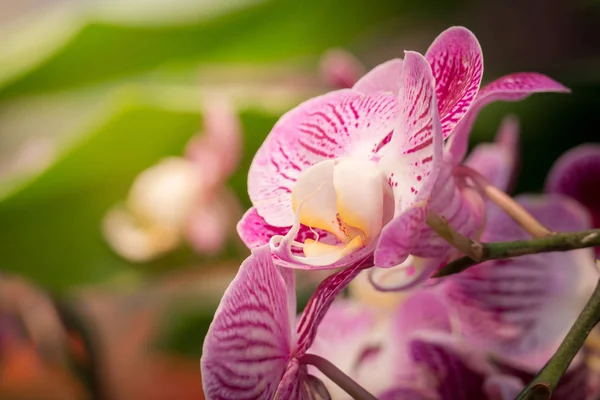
(50, 228)
(96, 50)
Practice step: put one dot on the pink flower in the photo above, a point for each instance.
(354, 172)
(335, 182)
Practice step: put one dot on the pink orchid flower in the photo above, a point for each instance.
(354, 172)
(330, 185)
(577, 174)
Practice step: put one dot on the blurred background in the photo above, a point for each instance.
(126, 132)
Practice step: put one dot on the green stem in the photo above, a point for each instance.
(499, 250)
(350, 386)
(545, 382)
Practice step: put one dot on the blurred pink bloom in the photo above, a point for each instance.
(341, 69)
(183, 198)
(577, 174)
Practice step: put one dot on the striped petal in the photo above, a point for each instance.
(520, 309)
(340, 123)
(383, 78)
(498, 161)
(412, 159)
(250, 343)
(577, 175)
(512, 87)
(457, 64)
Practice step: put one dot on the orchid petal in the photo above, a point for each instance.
(383, 78)
(398, 237)
(512, 87)
(358, 186)
(457, 64)
(520, 309)
(411, 160)
(340, 123)
(249, 343)
(498, 161)
(407, 393)
(255, 232)
(320, 302)
(577, 174)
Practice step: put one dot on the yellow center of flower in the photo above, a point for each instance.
(346, 197)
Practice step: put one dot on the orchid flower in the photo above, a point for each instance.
(304, 180)
(337, 185)
(182, 198)
(577, 174)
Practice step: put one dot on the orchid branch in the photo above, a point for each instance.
(545, 382)
(350, 386)
(505, 202)
(501, 250)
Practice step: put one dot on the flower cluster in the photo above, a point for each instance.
(346, 182)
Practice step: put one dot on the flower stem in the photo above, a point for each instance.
(350, 386)
(545, 382)
(499, 250)
(505, 202)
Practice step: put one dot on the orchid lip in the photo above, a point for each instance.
(344, 197)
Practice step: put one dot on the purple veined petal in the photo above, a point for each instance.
(255, 232)
(411, 161)
(457, 64)
(319, 304)
(340, 68)
(577, 174)
(339, 123)
(383, 78)
(250, 341)
(503, 387)
(498, 161)
(520, 309)
(512, 87)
